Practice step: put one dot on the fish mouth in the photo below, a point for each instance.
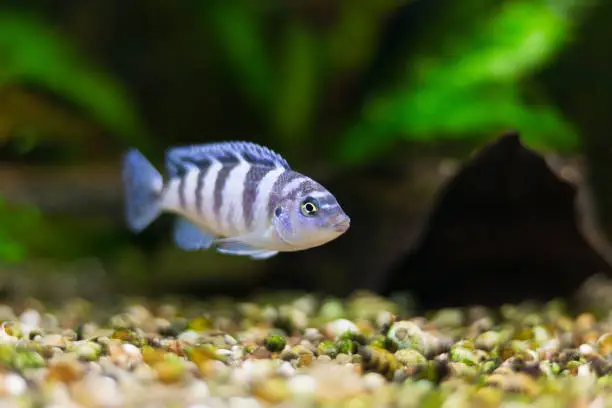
(340, 223)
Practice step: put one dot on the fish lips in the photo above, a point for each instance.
(340, 223)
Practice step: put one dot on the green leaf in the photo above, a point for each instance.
(32, 52)
(16, 223)
(471, 87)
(477, 112)
(240, 31)
(297, 84)
(521, 37)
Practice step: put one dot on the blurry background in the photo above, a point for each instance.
(380, 100)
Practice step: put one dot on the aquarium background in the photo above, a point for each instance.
(382, 101)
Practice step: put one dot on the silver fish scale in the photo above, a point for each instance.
(229, 207)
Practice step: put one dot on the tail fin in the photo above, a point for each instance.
(142, 185)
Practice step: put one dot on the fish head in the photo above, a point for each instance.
(309, 217)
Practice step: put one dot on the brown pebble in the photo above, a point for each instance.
(261, 353)
(305, 360)
(65, 371)
(176, 347)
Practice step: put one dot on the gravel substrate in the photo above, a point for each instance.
(295, 350)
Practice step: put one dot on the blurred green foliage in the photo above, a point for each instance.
(16, 223)
(32, 53)
(472, 84)
(467, 80)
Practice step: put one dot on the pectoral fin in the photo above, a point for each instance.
(190, 237)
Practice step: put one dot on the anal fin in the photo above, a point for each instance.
(231, 246)
(190, 237)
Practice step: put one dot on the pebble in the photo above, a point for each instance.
(373, 381)
(189, 337)
(198, 391)
(14, 384)
(244, 402)
(302, 385)
(313, 335)
(215, 355)
(286, 370)
(340, 326)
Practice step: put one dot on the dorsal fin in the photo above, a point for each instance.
(178, 159)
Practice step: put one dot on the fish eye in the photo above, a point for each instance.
(278, 211)
(309, 207)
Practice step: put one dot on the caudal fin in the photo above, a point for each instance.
(142, 185)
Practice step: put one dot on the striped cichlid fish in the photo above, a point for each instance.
(238, 197)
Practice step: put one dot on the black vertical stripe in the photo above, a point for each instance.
(220, 185)
(199, 188)
(249, 191)
(181, 190)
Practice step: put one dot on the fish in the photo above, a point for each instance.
(236, 197)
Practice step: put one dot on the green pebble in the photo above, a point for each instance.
(463, 355)
(88, 351)
(327, 348)
(121, 322)
(275, 343)
(488, 340)
(405, 334)
(490, 365)
(410, 358)
(28, 359)
(347, 346)
(355, 337)
(288, 355)
(6, 354)
(331, 309)
(128, 336)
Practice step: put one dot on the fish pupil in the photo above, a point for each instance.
(309, 207)
(278, 211)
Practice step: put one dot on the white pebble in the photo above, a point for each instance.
(198, 391)
(131, 350)
(190, 337)
(312, 334)
(306, 304)
(237, 352)
(269, 313)
(373, 381)
(243, 402)
(586, 350)
(30, 320)
(14, 384)
(341, 326)
(384, 318)
(58, 395)
(286, 369)
(223, 353)
(583, 371)
(104, 391)
(258, 369)
(251, 370)
(230, 340)
(302, 385)
(30, 317)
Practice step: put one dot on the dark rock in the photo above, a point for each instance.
(504, 229)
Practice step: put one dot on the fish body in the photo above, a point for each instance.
(239, 197)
